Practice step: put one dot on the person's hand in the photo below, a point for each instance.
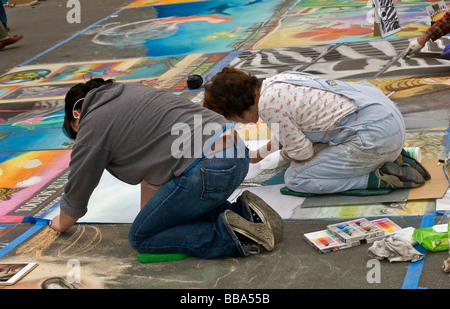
(62, 222)
(414, 46)
(54, 224)
(255, 156)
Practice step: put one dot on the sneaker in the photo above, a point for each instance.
(395, 176)
(262, 213)
(250, 234)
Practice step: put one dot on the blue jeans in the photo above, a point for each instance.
(3, 18)
(186, 215)
(354, 147)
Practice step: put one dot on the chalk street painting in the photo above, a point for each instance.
(37, 92)
(118, 70)
(423, 99)
(205, 26)
(23, 76)
(174, 29)
(305, 25)
(343, 60)
(30, 182)
(32, 126)
(168, 73)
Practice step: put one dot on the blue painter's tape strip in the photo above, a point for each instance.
(31, 219)
(39, 224)
(415, 269)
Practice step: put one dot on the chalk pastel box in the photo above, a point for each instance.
(350, 233)
(325, 241)
(355, 230)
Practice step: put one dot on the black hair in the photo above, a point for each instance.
(77, 92)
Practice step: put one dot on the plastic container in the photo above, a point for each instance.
(414, 152)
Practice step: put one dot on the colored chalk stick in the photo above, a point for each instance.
(160, 257)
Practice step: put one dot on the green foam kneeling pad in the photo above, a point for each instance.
(160, 257)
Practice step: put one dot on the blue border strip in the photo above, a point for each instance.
(412, 277)
(67, 40)
(23, 237)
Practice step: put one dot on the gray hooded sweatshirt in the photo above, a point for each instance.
(136, 133)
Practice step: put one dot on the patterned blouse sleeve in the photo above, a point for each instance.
(284, 127)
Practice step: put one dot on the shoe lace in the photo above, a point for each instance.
(250, 248)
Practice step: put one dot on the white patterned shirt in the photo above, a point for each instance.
(298, 109)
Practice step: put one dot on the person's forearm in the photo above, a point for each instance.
(437, 30)
(285, 155)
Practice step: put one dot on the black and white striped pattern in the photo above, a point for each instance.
(342, 61)
(387, 16)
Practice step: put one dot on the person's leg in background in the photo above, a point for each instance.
(6, 39)
(3, 18)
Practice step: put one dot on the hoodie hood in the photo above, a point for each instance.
(100, 96)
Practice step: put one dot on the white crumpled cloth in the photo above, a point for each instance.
(395, 248)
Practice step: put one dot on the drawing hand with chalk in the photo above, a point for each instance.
(414, 47)
(62, 222)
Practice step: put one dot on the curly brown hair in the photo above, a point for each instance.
(231, 92)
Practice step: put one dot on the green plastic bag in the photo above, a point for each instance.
(431, 239)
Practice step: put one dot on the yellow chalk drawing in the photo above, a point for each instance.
(39, 243)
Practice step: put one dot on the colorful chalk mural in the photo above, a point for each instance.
(303, 25)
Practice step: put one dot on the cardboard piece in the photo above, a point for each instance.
(433, 188)
(396, 196)
(376, 29)
(21, 1)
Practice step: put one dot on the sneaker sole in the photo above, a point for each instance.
(266, 213)
(258, 232)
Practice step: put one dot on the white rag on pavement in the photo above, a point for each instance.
(395, 248)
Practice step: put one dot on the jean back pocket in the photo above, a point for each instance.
(218, 184)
